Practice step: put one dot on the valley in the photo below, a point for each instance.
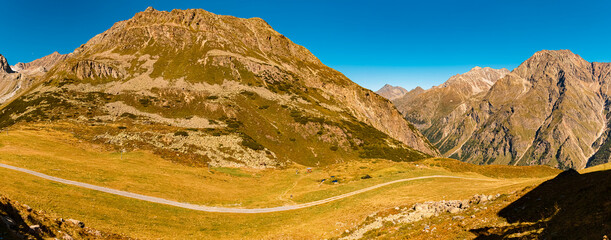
(143, 173)
(186, 124)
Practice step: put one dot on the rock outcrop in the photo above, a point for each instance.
(391, 92)
(92, 70)
(4, 67)
(417, 212)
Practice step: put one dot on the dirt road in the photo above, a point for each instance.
(221, 209)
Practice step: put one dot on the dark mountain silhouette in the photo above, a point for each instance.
(570, 206)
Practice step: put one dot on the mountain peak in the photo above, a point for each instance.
(555, 55)
(4, 67)
(561, 52)
(391, 92)
(418, 88)
(154, 30)
(476, 80)
(40, 65)
(552, 62)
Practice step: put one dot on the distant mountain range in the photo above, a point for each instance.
(553, 109)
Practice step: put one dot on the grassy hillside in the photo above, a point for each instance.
(62, 155)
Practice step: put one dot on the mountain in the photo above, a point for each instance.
(412, 93)
(436, 106)
(552, 110)
(391, 92)
(19, 78)
(40, 65)
(209, 90)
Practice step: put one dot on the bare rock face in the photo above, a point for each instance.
(391, 92)
(550, 110)
(92, 69)
(226, 92)
(4, 67)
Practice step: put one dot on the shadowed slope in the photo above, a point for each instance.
(570, 206)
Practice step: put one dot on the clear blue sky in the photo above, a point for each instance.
(406, 43)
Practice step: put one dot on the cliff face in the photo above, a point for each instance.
(550, 110)
(229, 91)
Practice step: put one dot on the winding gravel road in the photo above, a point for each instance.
(221, 209)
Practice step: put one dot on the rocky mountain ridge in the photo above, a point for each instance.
(552, 110)
(40, 65)
(437, 103)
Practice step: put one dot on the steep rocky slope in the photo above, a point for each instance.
(550, 110)
(204, 89)
(391, 92)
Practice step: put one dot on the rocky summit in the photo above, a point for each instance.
(4, 67)
(551, 110)
(208, 90)
(391, 92)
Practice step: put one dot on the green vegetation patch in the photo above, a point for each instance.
(395, 154)
(251, 143)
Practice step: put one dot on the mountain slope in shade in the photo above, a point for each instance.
(550, 110)
(204, 89)
(391, 92)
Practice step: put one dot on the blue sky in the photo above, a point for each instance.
(406, 43)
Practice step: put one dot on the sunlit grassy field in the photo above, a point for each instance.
(61, 155)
